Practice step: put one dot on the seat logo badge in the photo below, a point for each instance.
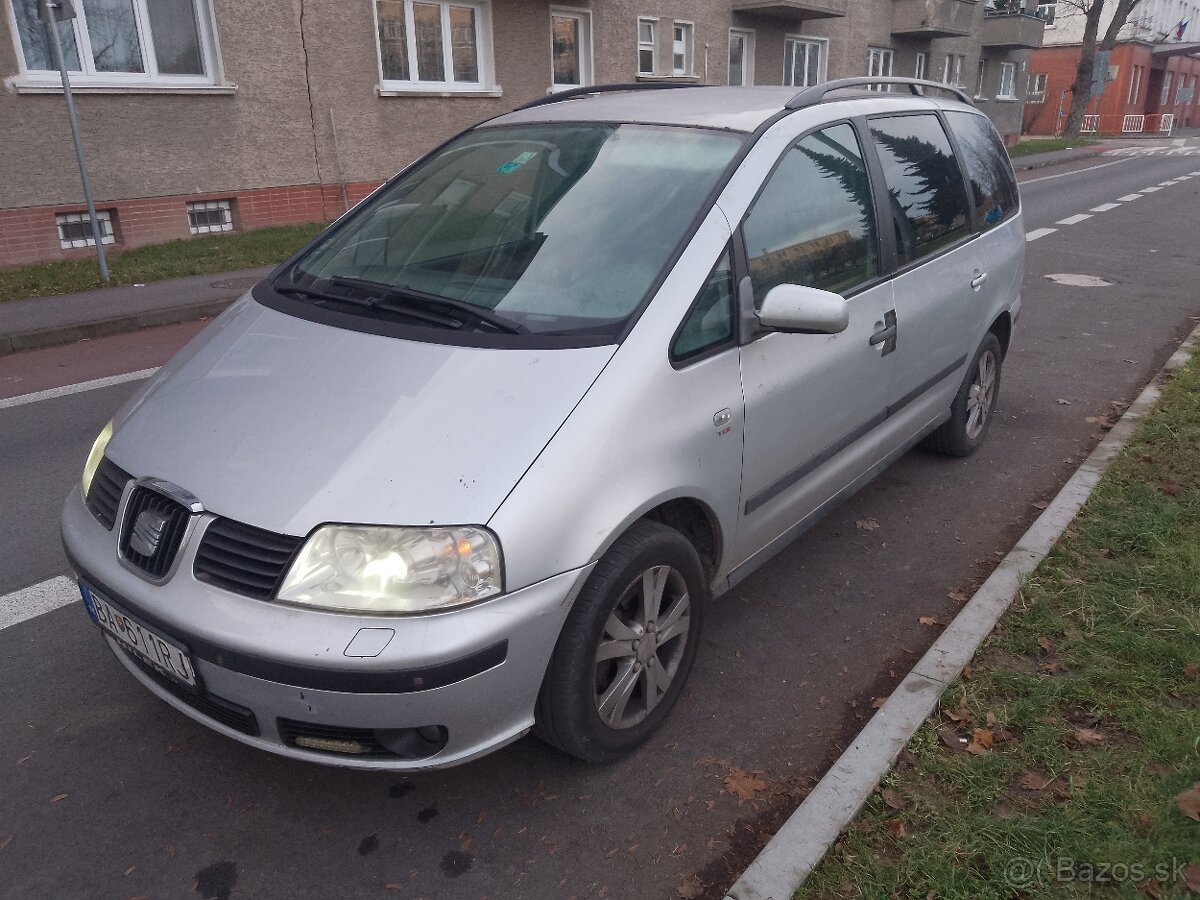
(722, 421)
(147, 533)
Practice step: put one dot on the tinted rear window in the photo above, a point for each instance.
(993, 187)
(925, 187)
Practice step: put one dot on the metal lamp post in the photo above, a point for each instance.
(55, 11)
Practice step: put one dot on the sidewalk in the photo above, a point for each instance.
(64, 318)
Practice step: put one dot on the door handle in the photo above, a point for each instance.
(978, 281)
(885, 333)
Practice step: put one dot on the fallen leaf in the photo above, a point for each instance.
(1170, 488)
(393, 886)
(1050, 667)
(1190, 670)
(130, 870)
(743, 784)
(968, 672)
(990, 718)
(1191, 878)
(1189, 802)
(981, 742)
(1032, 781)
(957, 596)
(1151, 889)
(896, 827)
(1086, 737)
(962, 714)
(58, 797)
(1041, 504)
(950, 738)
(893, 799)
(879, 701)
(690, 888)
(1145, 457)
(1108, 553)
(866, 524)
(1048, 646)
(466, 844)
(930, 621)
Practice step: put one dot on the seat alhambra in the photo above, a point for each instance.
(476, 460)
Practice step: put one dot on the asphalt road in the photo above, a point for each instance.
(109, 793)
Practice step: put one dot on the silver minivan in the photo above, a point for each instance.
(476, 459)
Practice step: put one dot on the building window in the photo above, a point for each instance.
(210, 216)
(1165, 97)
(122, 43)
(922, 65)
(1008, 81)
(1037, 88)
(1046, 12)
(647, 41)
(979, 82)
(803, 61)
(741, 57)
(75, 229)
(681, 49)
(1135, 84)
(570, 48)
(952, 68)
(433, 45)
(879, 65)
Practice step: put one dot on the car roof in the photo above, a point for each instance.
(729, 108)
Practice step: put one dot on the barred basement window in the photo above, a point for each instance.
(213, 215)
(75, 229)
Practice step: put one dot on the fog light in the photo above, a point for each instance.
(332, 745)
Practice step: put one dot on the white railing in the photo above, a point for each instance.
(1133, 124)
(1091, 124)
(1167, 125)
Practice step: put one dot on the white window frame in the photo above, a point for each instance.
(651, 45)
(1008, 76)
(981, 79)
(86, 78)
(953, 61)
(1037, 87)
(688, 47)
(887, 60)
(103, 218)
(812, 44)
(1135, 84)
(921, 66)
(1053, 14)
(205, 205)
(586, 55)
(1164, 98)
(483, 45)
(747, 36)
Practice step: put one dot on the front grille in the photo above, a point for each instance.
(244, 559)
(216, 708)
(104, 495)
(289, 730)
(164, 526)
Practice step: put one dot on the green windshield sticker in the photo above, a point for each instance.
(515, 164)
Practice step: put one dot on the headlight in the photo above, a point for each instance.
(393, 570)
(97, 454)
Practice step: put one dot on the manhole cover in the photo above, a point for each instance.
(1079, 280)
(236, 284)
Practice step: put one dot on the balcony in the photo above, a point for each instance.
(793, 9)
(1012, 30)
(933, 18)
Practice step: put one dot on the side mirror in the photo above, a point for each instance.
(804, 310)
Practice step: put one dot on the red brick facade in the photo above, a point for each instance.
(1058, 64)
(31, 234)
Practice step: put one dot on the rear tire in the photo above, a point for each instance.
(627, 647)
(971, 412)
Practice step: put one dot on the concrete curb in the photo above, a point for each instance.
(795, 851)
(1084, 153)
(67, 334)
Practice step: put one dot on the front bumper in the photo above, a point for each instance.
(474, 672)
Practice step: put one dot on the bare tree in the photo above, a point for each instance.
(1093, 12)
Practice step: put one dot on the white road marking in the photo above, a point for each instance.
(67, 390)
(1105, 207)
(1193, 174)
(1165, 183)
(1038, 233)
(33, 601)
(1075, 219)
(1075, 172)
(1129, 197)
(1151, 189)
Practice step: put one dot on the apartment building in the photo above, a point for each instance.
(203, 116)
(1152, 76)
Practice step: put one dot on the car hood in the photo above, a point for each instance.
(284, 424)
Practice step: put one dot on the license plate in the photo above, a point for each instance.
(146, 644)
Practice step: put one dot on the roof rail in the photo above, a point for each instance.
(571, 93)
(816, 94)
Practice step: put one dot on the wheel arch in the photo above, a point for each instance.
(1001, 327)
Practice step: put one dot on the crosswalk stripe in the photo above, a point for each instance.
(1038, 233)
(1075, 219)
(1105, 207)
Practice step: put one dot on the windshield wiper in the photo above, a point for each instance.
(403, 299)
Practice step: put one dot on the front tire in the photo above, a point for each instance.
(971, 412)
(627, 647)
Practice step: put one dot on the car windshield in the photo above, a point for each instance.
(540, 229)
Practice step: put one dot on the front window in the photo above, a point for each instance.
(879, 65)
(681, 49)
(647, 39)
(922, 62)
(741, 57)
(1008, 81)
(803, 62)
(952, 69)
(981, 80)
(433, 45)
(115, 43)
(533, 230)
(570, 48)
(1037, 87)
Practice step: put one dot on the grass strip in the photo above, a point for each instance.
(1047, 145)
